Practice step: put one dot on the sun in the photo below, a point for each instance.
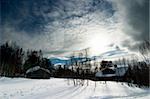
(97, 38)
(98, 43)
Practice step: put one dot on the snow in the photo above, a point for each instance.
(119, 71)
(54, 88)
(35, 69)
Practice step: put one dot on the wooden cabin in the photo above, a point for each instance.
(38, 72)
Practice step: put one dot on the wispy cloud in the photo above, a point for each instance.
(62, 26)
(134, 16)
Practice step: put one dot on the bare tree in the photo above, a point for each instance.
(144, 50)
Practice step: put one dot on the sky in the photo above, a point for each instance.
(59, 27)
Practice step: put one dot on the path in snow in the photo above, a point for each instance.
(21, 88)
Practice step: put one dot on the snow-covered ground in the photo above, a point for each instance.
(21, 88)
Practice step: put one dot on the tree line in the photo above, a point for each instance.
(14, 61)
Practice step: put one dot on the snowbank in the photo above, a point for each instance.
(21, 88)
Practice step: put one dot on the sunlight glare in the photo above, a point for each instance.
(98, 44)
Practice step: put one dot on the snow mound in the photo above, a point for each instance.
(22, 88)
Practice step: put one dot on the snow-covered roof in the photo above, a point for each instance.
(119, 71)
(57, 64)
(35, 69)
(123, 65)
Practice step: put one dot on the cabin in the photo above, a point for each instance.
(111, 72)
(38, 72)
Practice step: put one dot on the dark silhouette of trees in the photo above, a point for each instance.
(33, 59)
(45, 63)
(14, 61)
(138, 74)
(11, 59)
(144, 50)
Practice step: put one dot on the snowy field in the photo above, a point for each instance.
(21, 88)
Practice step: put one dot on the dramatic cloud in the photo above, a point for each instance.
(62, 26)
(134, 15)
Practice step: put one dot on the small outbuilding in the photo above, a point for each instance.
(112, 72)
(38, 72)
